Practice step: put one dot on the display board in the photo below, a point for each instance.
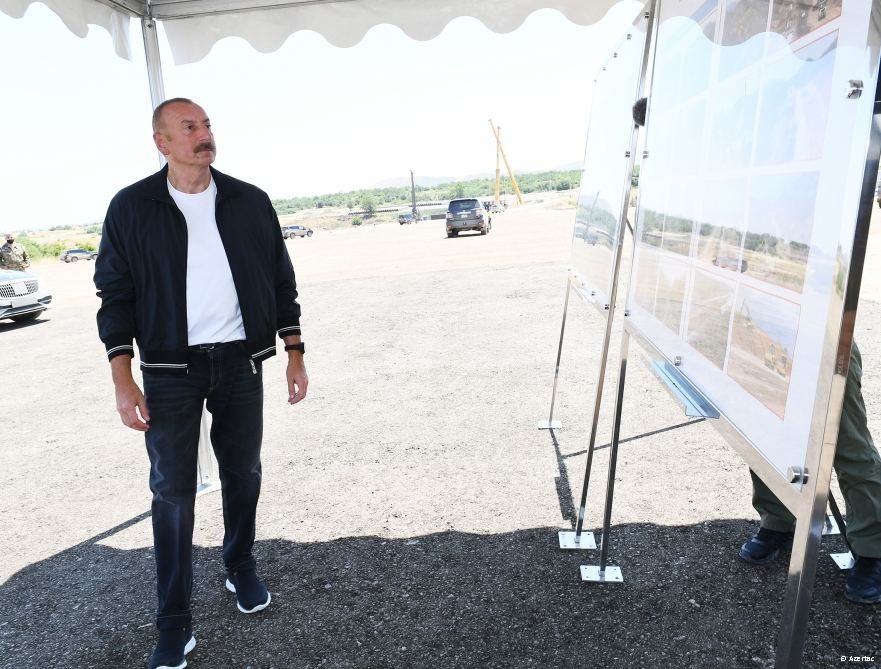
(605, 180)
(756, 142)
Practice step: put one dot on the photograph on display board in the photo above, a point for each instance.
(795, 104)
(709, 21)
(723, 282)
(709, 317)
(679, 222)
(744, 23)
(779, 228)
(692, 74)
(676, 237)
(689, 138)
(763, 338)
(670, 292)
(793, 19)
(722, 224)
(652, 228)
(730, 137)
(744, 19)
(679, 74)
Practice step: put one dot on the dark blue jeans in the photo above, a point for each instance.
(233, 388)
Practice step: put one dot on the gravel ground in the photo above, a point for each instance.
(410, 508)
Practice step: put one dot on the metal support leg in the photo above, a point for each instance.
(605, 573)
(800, 586)
(577, 540)
(844, 561)
(208, 479)
(550, 423)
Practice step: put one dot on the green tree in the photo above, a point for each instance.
(369, 206)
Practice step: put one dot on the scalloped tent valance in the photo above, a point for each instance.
(194, 26)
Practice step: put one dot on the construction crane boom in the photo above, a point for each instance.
(499, 149)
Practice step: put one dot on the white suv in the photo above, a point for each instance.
(290, 231)
(23, 296)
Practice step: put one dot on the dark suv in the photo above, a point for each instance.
(467, 214)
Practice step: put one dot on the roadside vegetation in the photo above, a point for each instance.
(330, 211)
(368, 200)
(39, 248)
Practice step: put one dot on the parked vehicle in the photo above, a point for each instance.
(467, 214)
(585, 233)
(730, 262)
(75, 255)
(23, 296)
(406, 218)
(290, 231)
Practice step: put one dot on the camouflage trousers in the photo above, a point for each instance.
(858, 467)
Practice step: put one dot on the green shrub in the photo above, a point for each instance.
(38, 251)
(357, 220)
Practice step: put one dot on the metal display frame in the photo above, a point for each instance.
(605, 307)
(578, 539)
(208, 480)
(806, 493)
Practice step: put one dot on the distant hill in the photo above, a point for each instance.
(428, 182)
(431, 182)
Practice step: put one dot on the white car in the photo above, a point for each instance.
(291, 231)
(23, 296)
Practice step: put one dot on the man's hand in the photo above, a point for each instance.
(130, 402)
(298, 380)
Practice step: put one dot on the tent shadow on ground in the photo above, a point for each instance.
(442, 600)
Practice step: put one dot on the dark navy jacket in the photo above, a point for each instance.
(141, 272)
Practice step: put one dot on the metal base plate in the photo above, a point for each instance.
(571, 541)
(610, 575)
(549, 425)
(830, 527)
(205, 488)
(843, 560)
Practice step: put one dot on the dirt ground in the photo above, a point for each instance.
(410, 507)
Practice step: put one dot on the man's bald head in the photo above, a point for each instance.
(160, 109)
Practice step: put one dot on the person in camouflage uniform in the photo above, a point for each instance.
(13, 256)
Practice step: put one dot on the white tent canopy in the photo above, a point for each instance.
(194, 26)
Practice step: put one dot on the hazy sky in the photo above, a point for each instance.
(310, 118)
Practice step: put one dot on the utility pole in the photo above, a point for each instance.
(498, 151)
(413, 195)
(507, 165)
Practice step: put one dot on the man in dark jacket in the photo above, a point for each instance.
(193, 267)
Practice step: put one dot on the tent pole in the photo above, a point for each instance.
(154, 66)
(207, 478)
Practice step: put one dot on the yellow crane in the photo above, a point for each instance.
(497, 130)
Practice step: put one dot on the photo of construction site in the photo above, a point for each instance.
(763, 336)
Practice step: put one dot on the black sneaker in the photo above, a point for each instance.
(863, 584)
(172, 649)
(251, 594)
(765, 546)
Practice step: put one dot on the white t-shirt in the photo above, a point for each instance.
(213, 313)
